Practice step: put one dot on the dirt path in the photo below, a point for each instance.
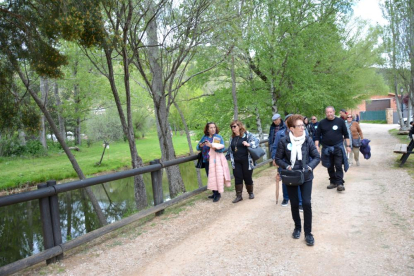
(366, 230)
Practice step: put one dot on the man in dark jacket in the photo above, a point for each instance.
(313, 126)
(277, 124)
(411, 133)
(333, 132)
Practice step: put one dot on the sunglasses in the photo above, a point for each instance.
(349, 117)
(234, 126)
(313, 119)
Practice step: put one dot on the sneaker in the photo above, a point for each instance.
(310, 241)
(332, 186)
(301, 208)
(296, 234)
(340, 188)
(285, 202)
(357, 162)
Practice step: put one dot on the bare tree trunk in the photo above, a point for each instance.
(127, 127)
(44, 88)
(61, 120)
(233, 90)
(22, 137)
(62, 142)
(258, 123)
(190, 146)
(69, 214)
(175, 181)
(274, 96)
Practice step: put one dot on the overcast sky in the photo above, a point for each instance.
(370, 10)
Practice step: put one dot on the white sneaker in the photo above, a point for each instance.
(357, 162)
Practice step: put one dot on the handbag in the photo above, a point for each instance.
(356, 142)
(256, 153)
(200, 164)
(292, 177)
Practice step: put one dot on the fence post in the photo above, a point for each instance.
(48, 241)
(54, 212)
(156, 179)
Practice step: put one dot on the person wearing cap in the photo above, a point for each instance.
(331, 133)
(284, 131)
(342, 114)
(274, 128)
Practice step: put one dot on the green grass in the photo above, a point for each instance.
(18, 172)
(375, 122)
(409, 164)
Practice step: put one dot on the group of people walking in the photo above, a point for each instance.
(212, 146)
(295, 145)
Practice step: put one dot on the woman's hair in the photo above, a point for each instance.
(290, 122)
(207, 126)
(241, 127)
(305, 118)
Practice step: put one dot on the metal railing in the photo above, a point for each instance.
(47, 194)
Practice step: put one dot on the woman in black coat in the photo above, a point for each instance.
(297, 151)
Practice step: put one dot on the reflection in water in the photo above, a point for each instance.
(20, 225)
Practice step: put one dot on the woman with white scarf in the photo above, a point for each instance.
(298, 152)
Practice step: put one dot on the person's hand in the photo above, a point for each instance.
(201, 144)
(208, 144)
(274, 163)
(348, 149)
(246, 144)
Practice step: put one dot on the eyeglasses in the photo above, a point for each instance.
(301, 126)
(234, 126)
(349, 117)
(313, 119)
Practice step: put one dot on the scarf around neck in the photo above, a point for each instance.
(296, 147)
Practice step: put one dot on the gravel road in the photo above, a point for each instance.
(366, 230)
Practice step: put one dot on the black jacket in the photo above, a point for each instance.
(309, 153)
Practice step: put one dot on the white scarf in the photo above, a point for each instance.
(296, 147)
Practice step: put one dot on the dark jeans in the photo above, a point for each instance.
(241, 172)
(306, 190)
(336, 173)
(207, 165)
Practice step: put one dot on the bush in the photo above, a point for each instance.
(34, 147)
(106, 126)
(11, 147)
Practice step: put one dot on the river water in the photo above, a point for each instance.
(20, 225)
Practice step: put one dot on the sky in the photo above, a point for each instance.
(369, 10)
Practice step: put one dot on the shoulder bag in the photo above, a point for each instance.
(293, 177)
(256, 153)
(200, 164)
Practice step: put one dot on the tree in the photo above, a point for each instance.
(28, 36)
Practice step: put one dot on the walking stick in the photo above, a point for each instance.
(277, 187)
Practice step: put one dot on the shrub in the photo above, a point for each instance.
(11, 146)
(34, 147)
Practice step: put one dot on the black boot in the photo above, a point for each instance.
(239, 192)
(217, 196)
(250, 191)
(211, 196)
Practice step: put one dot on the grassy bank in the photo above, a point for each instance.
(16, 172)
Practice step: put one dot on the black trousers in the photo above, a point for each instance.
(306, 190)
(335, 171)
(207, 166)
(241, 172)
